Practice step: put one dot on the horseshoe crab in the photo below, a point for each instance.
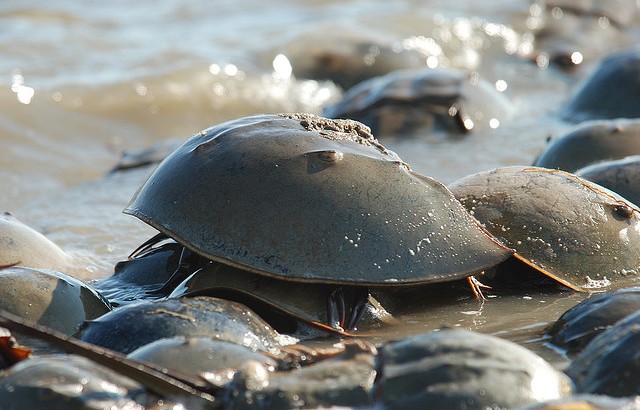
(130, 327)
(580, 324)
(22, 245)
(459, 369)
(68, 382)
(348, 59)
(610, 363)
(49, 298)
(148, 270)
(575, 31)
(308, 199)
(591, 142)
(448, 369)
(573, 231)
(406, 101)
(621, 176)
(196, 355)
(269, 297)
(612, 91)
(154, 269)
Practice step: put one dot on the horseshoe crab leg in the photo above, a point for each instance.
(344, 311)
(476, 287)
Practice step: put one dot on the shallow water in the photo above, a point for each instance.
(83, 82)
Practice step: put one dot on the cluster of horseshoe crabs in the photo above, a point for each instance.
(312, 218)
(316, 202)
(353, 373)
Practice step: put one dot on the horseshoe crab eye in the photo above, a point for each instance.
(329, 155)
(623, 211)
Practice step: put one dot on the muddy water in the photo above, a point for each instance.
(81, 83)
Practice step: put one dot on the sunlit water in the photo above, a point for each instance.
(84, 81)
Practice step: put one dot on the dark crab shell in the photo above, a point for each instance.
(610, 363)
(130, 327)
(195, 355)
(576, 232)
(305, 198)
(49, 298)
(621, 176)
(70, 382)
(21, 244)
(612, 91)
(350, 58)
(460, 369)
(580, 324)
(405, 101)
(571, 33)
(592, 142)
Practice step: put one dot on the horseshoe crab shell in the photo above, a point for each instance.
(130, 327)
(196, 355)
(405, 101)
(580, 324)
(306, 302)
(612, 91)
(576, 232)
(350, 58)
(592, 142)
(572, 32)
(621, 176)
(460, 369)
(305, 198)
(610, 363)
(21, 244)
(70, 382)
(49, 298)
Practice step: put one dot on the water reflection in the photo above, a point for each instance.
(521, 316)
